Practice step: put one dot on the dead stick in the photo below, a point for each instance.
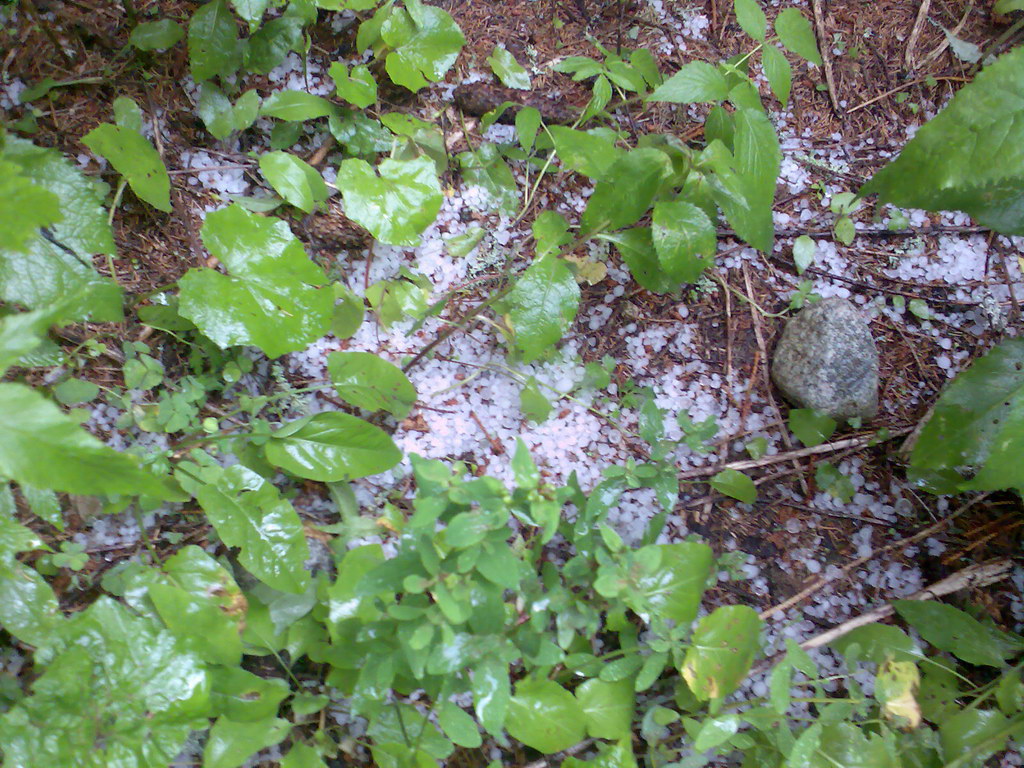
(915, 33)
(826, 56)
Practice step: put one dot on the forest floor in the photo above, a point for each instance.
(938, 291)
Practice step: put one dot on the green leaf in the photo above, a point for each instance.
(533, 404)
(269, 299)
(551, 231)
(269, 45)
(43, 447)
(607, 707)
(302, 756)
(545, 716)
(29, 610)
(242, 696)
(722, 651)
(674, 588)
(834, 482)
(804, 251)
(249, 513)
(156, 35)
(684, 239)
(735, 484)
(44, 504)
(695, 82)
(135, 159)
(356, 86)
(230, 743)
(392, 724)
(508, 70)
(977, 425)
(296, 106)
(250, 11)
(778, 72)
(348, 312)
(811, 427)
(118, 690)
(845, 230)
(367, 381)
(213, 42)
(127, 114)
(715, 731)
(424, 43)
(487, 169)
(758, 159)
(458, 726)
(794, 31)
(543, 304)
(752, 21)
(1006, 6)
(952, 630)
(36, 207)
(202, 605)
(330, 447)
(491, 694)
(593, 154)
(969, 730)
(396, 205)
(527, 121)
(636, 246)
(627, 192)
(293, 179)
(878, 642)
(984, 176)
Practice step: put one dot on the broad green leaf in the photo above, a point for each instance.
(250, 11)
(984, 176)
(879, 642)
(684, 239)
(834, 482)
(294, 179)
(424, 43)
(271, 296)
(528, 120)
(543, 304)
(356, 86)
(804, 251)
(627, 191)
(241, 696)
(844, 744)
(268, 46)
(344, 602)
(545, 716)
(758, 159)
(230, 743)
(330, 447)
(811, 427)
(220, 116)
(249, 513)
(722, 651)
(491, 694)
(458, 726)
(29, 610)
(119, 690)
(794, 31)
(128, 114)
(156, 35)
(617, 755)
(487, 169)
(607, 707)
(752, 21)
(367, 381)
(213, 42)
(349, 312)
(674, 589)
(396, 205)
(735, 484)
(42, 446)
(695, 82)
(716, 730)
(34, 207)
(778, 72)
(971, 729)
(202, 605)
(23, 332)
(508, 70)
(302, 756)
(135, 159)
(977, 425)
(392, 724)
(592, 154)
(954, 631)
(296, 106)
(1006, 6)
(44, 503)
(636, 246)
(551, 232)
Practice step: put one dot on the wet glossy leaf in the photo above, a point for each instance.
(367, 381)
(486, 168)
(736, 485)
(636, 246)
(952, 630)
(491, 694)
(29, 610)
(156, 35)
(393, 722)
(356, 86)
(696, 81)
(722, 651)
(250, 11)
(551, 231)
(249, 513)
(684, 239)
(42, 446)
(969, 729)
(201, 604)
(627, 191)
(271, 296)
(977, 426)
(119, 690)
(241, 696)
(424, 43)
(794, 31)
(833, 482)
(592, 154)
(135, 159)
(543, 304)
(458, 726)
(674, 589)
(508, 70)
(545, 716)
(294, 179)
(752, 21)
(715, 731)
(33, 207)
(811, 427)
(395, 205)
(296, 106)
(607, 707)
(778, 72)
(230, 743)
(330, 447)
(213, 42)
(878, 642)
(804, 250)
(302, 756)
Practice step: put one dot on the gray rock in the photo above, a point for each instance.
(827, 360)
